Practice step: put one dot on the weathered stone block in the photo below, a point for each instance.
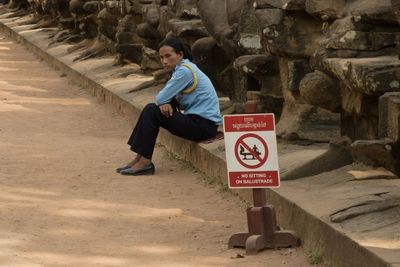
(268, 17)
(295, 36)
(165, 16)
(253, 95)
(346, 24)
(384, 153)
(303, 121)
(271, 103)
(67, 23)
(371, 76)
(359, 118)
(152, 16)
(282, 4)
(107, 23)
(150, 60)
(162, 2)
(253, 64)
(359, 126)
(396, 8)
(132, 52)
(216, 19)
(320, 90)
(124, 37)
(172, 5)
(389, 116)
(18, 3)
(383, 80)
(246, 19)
(138, 8)
(250, 43)
(235, 9)
(91, 7)
(357, 40)
(126, 24)
(297, 69)
(325, 9)
(351, 100)
(372, 12)
(186, 9)
(146, 31)
(260, 4)
(185, 28)
(76, 7)
(271, 84)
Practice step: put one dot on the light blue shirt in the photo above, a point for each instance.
(203, 101)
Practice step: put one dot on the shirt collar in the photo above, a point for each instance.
(184, 61)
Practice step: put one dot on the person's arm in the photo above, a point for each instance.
(180, 80)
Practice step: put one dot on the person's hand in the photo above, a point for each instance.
(166, 110)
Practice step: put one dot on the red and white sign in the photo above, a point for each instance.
(251, 151)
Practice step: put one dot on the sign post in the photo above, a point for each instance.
(252, 162)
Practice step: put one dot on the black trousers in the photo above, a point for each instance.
(191, 127)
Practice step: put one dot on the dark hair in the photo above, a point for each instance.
(178, 46)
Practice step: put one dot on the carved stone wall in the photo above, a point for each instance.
(326, 68)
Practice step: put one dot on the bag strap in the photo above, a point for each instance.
(195, 81)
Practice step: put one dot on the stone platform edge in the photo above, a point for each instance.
(336, 248)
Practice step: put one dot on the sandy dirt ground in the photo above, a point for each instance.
(62, 204)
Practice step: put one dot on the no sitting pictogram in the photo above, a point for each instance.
(251, 151)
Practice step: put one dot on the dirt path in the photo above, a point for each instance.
(62, 204)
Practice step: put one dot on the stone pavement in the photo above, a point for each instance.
(351, 214)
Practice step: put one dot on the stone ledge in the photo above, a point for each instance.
(294, 209)
(370, 76)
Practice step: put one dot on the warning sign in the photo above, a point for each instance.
(251, 151)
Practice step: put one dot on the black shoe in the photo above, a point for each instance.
(148, 169)
(122, 168)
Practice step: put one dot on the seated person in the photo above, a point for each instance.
(191, 90)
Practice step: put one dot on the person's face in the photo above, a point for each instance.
(169, 58)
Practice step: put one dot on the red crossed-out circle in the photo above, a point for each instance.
(240, 141)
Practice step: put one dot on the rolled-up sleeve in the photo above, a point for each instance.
(181, 79)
